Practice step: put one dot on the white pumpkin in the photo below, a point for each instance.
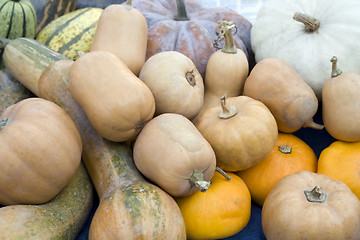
(276, 34)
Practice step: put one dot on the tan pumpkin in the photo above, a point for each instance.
(290, 99)
(340, 104)
(172, 153)
(308, 205)
(227, 68)
(175, 82)
(241, 130)
(117, 103)
(122, 30)
(190, 28)
(40, 151)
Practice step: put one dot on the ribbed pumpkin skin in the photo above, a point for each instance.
(71, 32)
(17, 19)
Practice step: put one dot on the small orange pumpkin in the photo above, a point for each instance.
(341, 161)
(222, 211)
(291, 154)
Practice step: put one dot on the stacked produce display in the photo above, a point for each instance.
(167, 119)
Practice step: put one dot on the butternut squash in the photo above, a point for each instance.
(122, 30)
(130, 207)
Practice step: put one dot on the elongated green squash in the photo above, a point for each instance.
(26, 59)
(71, 32)
(17, 19)
(130, 207)
(63, 217)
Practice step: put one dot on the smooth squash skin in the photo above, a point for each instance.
(117, 103)
(340, 104)
(130, 207)
(340, 160)
(226, 69)
(290, 99)
(122, 30)
(171, 152)
(175, 82)
(63, 217)
(40, 150)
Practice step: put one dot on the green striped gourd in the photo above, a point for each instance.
(72, 32)
(17, 19)
(26, 59)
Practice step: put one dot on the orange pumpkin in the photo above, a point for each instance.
(190, 28)
(222, 211)
(341, 161)
(291, 154)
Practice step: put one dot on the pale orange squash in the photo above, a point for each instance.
(40, 151)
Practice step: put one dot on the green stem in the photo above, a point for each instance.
(128, 2)
(181, 11)
(3, 41)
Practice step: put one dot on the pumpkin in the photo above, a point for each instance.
(71, 32)
(290, 99)
(220, 212)
(42, 135)
(340, 160)
(306, 34)
(18, 19)
(308, 205)
(62, 217)
(130, 207)
(172, 153)
(122, 30)
(226, 69)
(175, 82)
(189, 28)
(117, 103)
(241, 130)
(340, 108)
(291, 154)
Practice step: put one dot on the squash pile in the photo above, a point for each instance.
(160, 109)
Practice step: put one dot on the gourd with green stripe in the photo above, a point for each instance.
(72, 32)
(26, 59)
(17, 19)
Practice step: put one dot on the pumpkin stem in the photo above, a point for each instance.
(225, 31)
(226, 111)
(222, 172)
(3, 123)
(311, 23)
(285, 149)
(128, 2)
(197, 179)
(190, 77)
(181, 11)
(335, 71)
(312, 124)
(317, 194)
